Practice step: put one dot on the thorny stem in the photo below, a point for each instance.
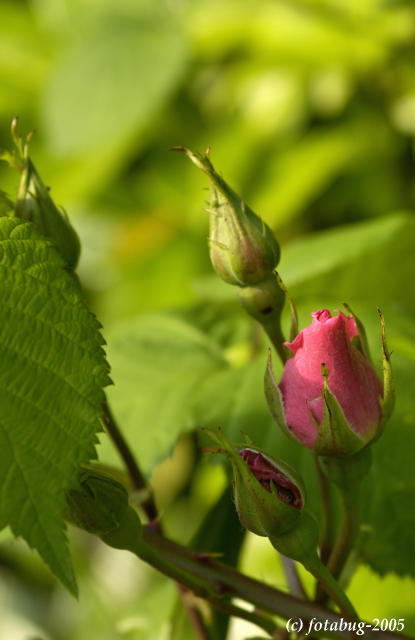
(193, 614)
(172, 565)
(149, 507)
(218, 582)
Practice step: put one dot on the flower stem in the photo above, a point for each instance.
(348, 474)
(137, 478)
(332, 587)
(327, 526)
(174, 567)
(346, 537)
(344, 541)
(149, 507)
(222, 583)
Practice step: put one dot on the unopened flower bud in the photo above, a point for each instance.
(270, 499)
(330, 397)
(269, 496)
(98, 505)
(243, 249)
(101, 506)
(35, 204)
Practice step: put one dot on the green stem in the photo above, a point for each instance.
(347, 535)
(274, 333)
(222, 582)
(344, 541)
(148, 505)
(327, 520)
(167, 563)
(264, 302)
(348, 474)
(332, 587)
(137, 478)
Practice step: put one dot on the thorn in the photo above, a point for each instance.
(207, 152)
(14, 127)
(213, 212)
(211, 450)
(218, 244)
(205, 556)
(30, 136)
(178, 148)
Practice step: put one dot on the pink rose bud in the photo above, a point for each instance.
(330, 397)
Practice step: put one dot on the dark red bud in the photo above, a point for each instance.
(265, 472)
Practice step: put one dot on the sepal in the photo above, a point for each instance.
(270, 499)
(388, 400)
(335, 437)
(275, 401)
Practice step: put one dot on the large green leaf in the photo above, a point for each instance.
(364, 261)
(158, 364)
(52, 374)
(112, 81)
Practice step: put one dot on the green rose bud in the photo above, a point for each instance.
(35, 204)
(101, 506)
(243, 249)
(269, 498)
(98, 505)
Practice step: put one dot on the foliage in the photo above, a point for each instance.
(308, 107)
(53, 369)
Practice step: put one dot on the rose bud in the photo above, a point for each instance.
(35, 204)
(330, 397)
(269, 495)
(243, 249)
(270, 498)
(98, 504)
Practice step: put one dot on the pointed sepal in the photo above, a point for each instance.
(388, 400)
(275, 401)
(360, 340)
(335, 437)
(269, 495)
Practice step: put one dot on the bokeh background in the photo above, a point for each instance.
(308, 107)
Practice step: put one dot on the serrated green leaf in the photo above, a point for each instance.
(51, 379)
(158, 364)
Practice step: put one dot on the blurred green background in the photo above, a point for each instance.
(308, 107)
